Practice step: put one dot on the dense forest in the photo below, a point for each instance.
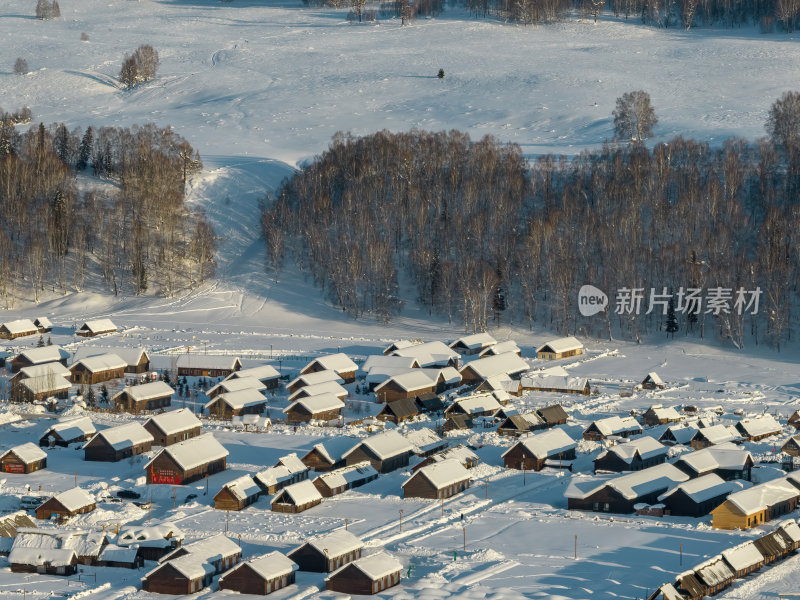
(769, 15)
(483, 235)
(127, 224)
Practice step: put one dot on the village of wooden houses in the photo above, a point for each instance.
(421, 469)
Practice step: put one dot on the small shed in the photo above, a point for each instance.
(327, 552)
(714, 435)
(233, 404)
(147, 396)
(366, 576)
(347, 478)
(322, 407)
(681, 433)
(288, 470)
(25, 458)
(117, 443)
(68, 432)
(188, 461)
(473, 344)
(237, 494)
(437, 480)
(260, 576)
(296, 498)
(652, 382)
(743, 559)
(219, 551)
(97, 369)
(559, 348)
(66, 504)
(172, 427)
(477, 405)
(43, 324)
(96, 327)
(398, 411)
(553, 415)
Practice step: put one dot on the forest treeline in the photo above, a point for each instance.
(128, 227)
(483, 235)
(660, 13)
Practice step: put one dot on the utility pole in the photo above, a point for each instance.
(486, 484)
(401, 520)
(576, 547)
(464, 531)
(681, 550)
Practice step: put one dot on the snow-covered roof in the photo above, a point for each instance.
(346, 475)
(460, 453)
(46, 384)
(743, 556)
(19, 326)
(668, 413)
(174, 421)
(328, 387)
(243, 487)
(400, 344)
(761, 496)
(718, 434)
(124, 436)
(269, 566)
(423, 439)
(74, 499)
(340, 363)
(122, 554)
(384, 445)
(546, 444)
(630, 486)
(478, 403)
(616, 425)
(273, 476)
(681, 432)
(653, 377)
(375, 566)
(44, 370)
(336, 543)
(759, 426)
(98, 325)
(508, 363)
(500, 348)
(448, 375)
(69, 429)
(45, 354)
(564, 344)
(239, 399)
(429, 353)
(315, 378)
(238, 384)
(262, 373)
(668, 592)
(190, 566)
(211, 362)
(500, 383)
(43, 322)
(194, 452)
(85, 543)
(101, 362)
(442, 473)
(714, 571)
(726, 456)
(380, 361)
(703, 488)
(299, 493)
(27, 452)
(316, 404)
(293, 463)
(410, 381)
(39, 556)
(553, 378)
(158, 536)
(334, 449)
(207, 549)
(474, 341)
(646, 447)
(145, 391)
(131, 356)
(791, 529)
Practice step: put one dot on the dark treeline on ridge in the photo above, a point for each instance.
(129, 227)
(483, 235)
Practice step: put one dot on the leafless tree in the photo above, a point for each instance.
(634, 117)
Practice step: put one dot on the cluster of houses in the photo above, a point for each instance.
(11, 330)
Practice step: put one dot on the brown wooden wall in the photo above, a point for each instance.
(11, 463)
(299, 415)
(419, 487)
(246, 581)
(164, 469)
(100, 450)
(81, 375)
(162, 439)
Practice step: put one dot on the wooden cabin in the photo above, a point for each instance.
(147, 396)
(682, 433)
(327, 552)
(458, 423)
(329, 454)
(314, 378)
(235, 385)
(266, 374)
(743, 559)
(36, 389)
(25, 458)
(97, 369)
(794, 420)
(181, 576)
(532, 452)
(714, 575)
(44, 561)
(516, 425)
(235, 404)
(237, 494)
(406, 385)
(120, 557)
(752, 507)
(697, 497)
(772, 546)
(398, 411)
(425, 441)
(117, 443)
(713, 435)
(553, 415)
(11, 330)
(96, 327)
(68, 431)
(398, 345)
(508, 364)
(66, 504)
(339, 481)
(317, 389)
(366, 576)
(437, 480)
(477, 405)
(219, 551)
(631, 455)
(792, 446)
(296, 498)
(172, 427)
(288, 470)
(385, 451)
(43, 324)
(559, 348)
(50, 369)
(658, 415)
(187, 461)
(39, 356)
(502, 383)
(340, 363)
(556, 380)
(260, 576)
(476, 343)
(136, 360)
(466, 457)
(727, 461)
(428, 403)
(653, 382)
(618, 426)
(153, 541)
(207, 365)
(429, 354)
(759, 428)
(324, 407)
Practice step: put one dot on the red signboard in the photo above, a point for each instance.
(164, 477)
(14, 468)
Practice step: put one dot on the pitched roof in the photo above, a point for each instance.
(379, 361)
(460, 421)
(46, 384)
(336, 543)
(703, 488)
(314, 378)
(520, 422)
(19, 326)
(98, 325)
(208, 362)
(714, 571)
(69, 429)
(100, 362)
(45, 354)
(175, 420)
(293, 463)
(44, 370)
(40, 556)
(508, 363)
(239, 399)
(122, 554)
(552, 413)
(145, 391)
(564, 344)
(546, 444)
(645, 447)
(235, 385)
(478, 403)
(272, 476)
(553, 378)
(316, 404)
(193, 452)
(385, 445)
(442, 473)
(346, 476)
(616, 425)
(154, 536)
(374, 566)
(298, 493)
(243, 487)
(500, 348)
(717, 434)
(328, 387)
(429, 353)
(743, 556)
(402, 408)
(74, 499)
(410, 381)
(763, 495)
(27, 453)
(424, 439)
(333, 449)
(726, 457)
(190, 566)
(261, 372)
(131, 356)
(759, 426)
(682, 433)
(340, 363)
(631, 485)
(43, 322)
(268, 566)
(460, 453)
(206, 549)
(474, 341)
(124, 436)
(653, 377)
(668, 413)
